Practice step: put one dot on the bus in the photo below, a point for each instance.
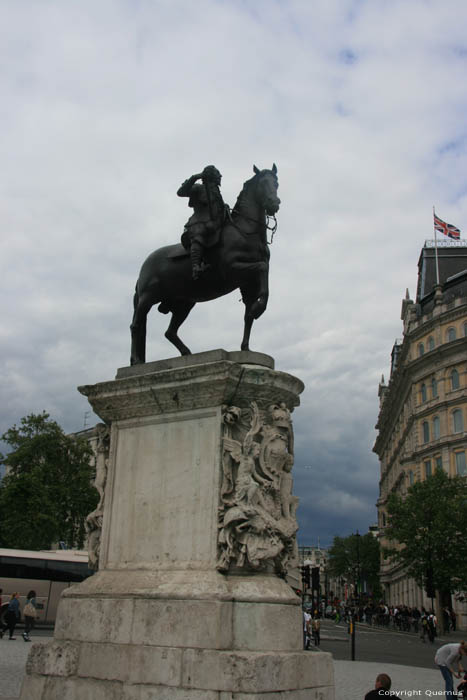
(46, 572)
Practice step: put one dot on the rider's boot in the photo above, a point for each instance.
(196, 252)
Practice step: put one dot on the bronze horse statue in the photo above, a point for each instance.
(239, 260)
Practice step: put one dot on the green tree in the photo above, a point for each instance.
(427, 530)
(356, 558)
(47, 491)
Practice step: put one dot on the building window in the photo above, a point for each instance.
(434, 388)
(423, 392)
(439, 462)
(426, 431)
(411, 478)
(465, 328)
(428, 468)
(384, 519)
(457, 421)
(431, 343)
(436, 428)
(460, 464)
(455, 379)
(451, 334)
(421, 349)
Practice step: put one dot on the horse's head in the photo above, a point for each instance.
(266, 189)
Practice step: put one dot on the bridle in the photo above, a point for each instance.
(272, 228)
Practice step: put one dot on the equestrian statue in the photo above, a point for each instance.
(220, 250)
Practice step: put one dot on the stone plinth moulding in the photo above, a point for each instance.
(192, 537)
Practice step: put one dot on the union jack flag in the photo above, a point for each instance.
(447, 229)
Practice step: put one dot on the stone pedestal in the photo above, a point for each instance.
(178, 610)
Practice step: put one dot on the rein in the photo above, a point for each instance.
(272, 228)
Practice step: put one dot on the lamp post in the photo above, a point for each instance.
(357, 535)
(357, 598)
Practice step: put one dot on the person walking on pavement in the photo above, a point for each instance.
(306, 629)
(445, 658)
(315, 628)
(30, 614)
(12, 616)
(432, 625)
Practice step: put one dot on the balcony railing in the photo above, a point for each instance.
(445, 243)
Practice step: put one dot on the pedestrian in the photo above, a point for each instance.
(12, 616)
(306, 629)
(446, 619)
(382, 687)
(431, 627)
(30, 614)
(445, 658)
(462, 688)
(315, 629)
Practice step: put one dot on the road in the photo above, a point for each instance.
(376, 644)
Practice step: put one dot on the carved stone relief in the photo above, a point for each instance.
(94, 519)
(257, 522)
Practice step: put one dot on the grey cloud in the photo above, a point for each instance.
(108, 106)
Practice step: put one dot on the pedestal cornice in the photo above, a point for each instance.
(191, 382)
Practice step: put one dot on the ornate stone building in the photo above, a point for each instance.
(422, 420)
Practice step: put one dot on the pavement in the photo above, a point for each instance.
(353, 679)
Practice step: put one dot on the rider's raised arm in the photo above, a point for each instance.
(185, 188)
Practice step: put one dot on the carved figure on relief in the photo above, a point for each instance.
(94, 520)
(257, 522)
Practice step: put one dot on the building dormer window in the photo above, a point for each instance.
(451, 334)
(454, 379)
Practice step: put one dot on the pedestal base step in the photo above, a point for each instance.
(77, 670)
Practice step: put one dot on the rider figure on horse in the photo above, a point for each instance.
(202, 230)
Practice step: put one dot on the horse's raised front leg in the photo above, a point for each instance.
(255, 297)
(179, 313)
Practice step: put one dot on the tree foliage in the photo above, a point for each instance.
(47, 491)
(430, 525)
(356, 558)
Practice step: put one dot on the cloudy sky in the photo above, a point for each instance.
(106, 107)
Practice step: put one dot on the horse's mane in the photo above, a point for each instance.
(246, 187)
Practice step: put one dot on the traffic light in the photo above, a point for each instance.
(305, 571)
(429, 586)
(315, 578)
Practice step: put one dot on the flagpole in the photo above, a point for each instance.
(436, 249)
